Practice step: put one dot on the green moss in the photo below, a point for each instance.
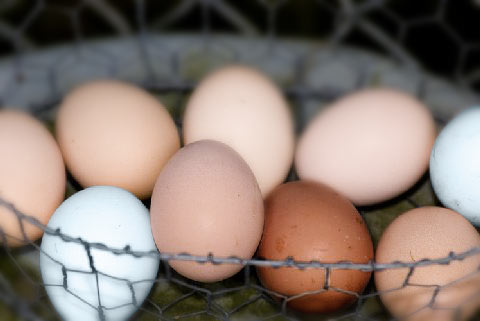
(25, 281)
(177, 301)
(373, 308)
(375, 80)
(7, 314)
(50, 124)
(196, 64)
(379, 217)
(166, 295)
(260, 308)
(424, 195)
(377, 220)
(174, 102)
(69, 190)
(12, 271)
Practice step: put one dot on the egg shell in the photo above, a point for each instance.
(429, 233)
(115, 218)
(206, 200)
(371, 145)
(242, 108)
(454, 165)
(113, 133)
(32, 175)
(309, 221)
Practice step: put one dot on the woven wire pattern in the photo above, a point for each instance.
(144, 49)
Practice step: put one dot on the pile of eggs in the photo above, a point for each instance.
(223, 194)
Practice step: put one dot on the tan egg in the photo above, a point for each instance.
(32, 174)
(370, 146)
(113, 133)
(206, 200)
(429, 233)
(242, 108)
(309, 221)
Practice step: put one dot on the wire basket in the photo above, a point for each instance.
(360, 44)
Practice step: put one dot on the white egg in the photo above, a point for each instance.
(115, 218)
(455, 165)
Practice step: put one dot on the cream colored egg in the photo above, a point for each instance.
(113, 133)
(242, 108)
(32, 175)
(371, 145)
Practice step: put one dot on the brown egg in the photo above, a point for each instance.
(309, 221)
(370, 146)
(429, 233)
(32, 174)
(206, 200)
(113, 133)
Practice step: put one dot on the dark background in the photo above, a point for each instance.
(444, 35)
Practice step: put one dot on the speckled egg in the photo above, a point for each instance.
(429, 233)
(206, 200)
(309, 221)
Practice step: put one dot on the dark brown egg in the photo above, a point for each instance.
(310, 221)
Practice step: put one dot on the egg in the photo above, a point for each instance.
(32, 175)
(112, 217)
(113, 133)
(454, 165)
(206, 200)
(429, 233)
(308, 221)
(371, 145)
(241, 107)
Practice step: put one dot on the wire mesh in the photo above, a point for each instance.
(139, 41)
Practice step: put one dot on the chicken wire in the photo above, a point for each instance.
(145, 49)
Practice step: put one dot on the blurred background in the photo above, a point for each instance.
(443, 36)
